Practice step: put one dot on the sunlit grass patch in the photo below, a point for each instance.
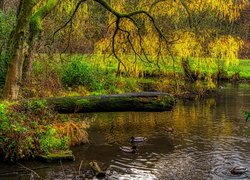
(245, 68)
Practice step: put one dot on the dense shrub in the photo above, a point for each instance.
(80, 72)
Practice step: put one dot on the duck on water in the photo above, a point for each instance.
(128, 149)
(239, 170)
(137, 139)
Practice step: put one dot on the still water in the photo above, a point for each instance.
(210, 137)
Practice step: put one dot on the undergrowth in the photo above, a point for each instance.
(31, 128)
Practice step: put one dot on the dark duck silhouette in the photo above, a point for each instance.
(238, 170)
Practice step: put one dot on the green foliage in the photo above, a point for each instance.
(80, 72)
(247, 114)
(15, 139)
(4, 118)
(36, 106)
(77, 72)
(26, 130)
(7, 22)
(96, 74)
(37, 17)
(51, 141)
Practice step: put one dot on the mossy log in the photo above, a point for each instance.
(145, 101)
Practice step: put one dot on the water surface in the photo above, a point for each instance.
(210, 137)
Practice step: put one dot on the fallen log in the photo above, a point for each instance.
(145, 101)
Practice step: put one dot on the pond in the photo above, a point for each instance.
(210, 137)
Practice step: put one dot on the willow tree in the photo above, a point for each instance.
(181, 30)
(138, 31)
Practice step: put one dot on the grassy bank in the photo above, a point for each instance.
(97, 74)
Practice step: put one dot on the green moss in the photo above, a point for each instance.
(82, 102)
(36, 18)
(57, 156)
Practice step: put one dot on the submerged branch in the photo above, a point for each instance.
(32, 171)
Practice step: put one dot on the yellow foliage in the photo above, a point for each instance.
(187, 46)
(225, 48)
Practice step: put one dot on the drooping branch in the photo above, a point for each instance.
(140, 39)
(71, 17)
(188, 12)
(113, 45)
(130, 16)
(119, 16)
(130, 42)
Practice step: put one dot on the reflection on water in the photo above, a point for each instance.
(210, 137)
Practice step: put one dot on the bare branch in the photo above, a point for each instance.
(70, 19)
(113, 44)
(130, 17)
(130, 43)
(188, 12)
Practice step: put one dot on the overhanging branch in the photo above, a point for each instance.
(70, 19)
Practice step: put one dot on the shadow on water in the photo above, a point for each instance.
(210, 137)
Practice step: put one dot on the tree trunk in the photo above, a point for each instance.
(14, 74)
(190, 76)
(147, 101)
(28, 63)
(1, 5)
(17, 49)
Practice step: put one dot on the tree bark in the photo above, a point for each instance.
(28, 63)
(17, 49)
(1, 5)
(147, 101)
(22, 42)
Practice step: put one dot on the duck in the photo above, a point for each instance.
(128, 149)
(137, 139)
(168, 129)
(238, 170)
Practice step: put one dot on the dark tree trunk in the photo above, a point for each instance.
(1, 5)
(147, 101)
(190, 76)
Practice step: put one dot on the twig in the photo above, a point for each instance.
(79, 170)
(70, 19)
(32, 171)
(63, 170)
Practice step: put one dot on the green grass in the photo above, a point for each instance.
(165, 66)
(109, 64)
(73, 75)
(244, 68)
